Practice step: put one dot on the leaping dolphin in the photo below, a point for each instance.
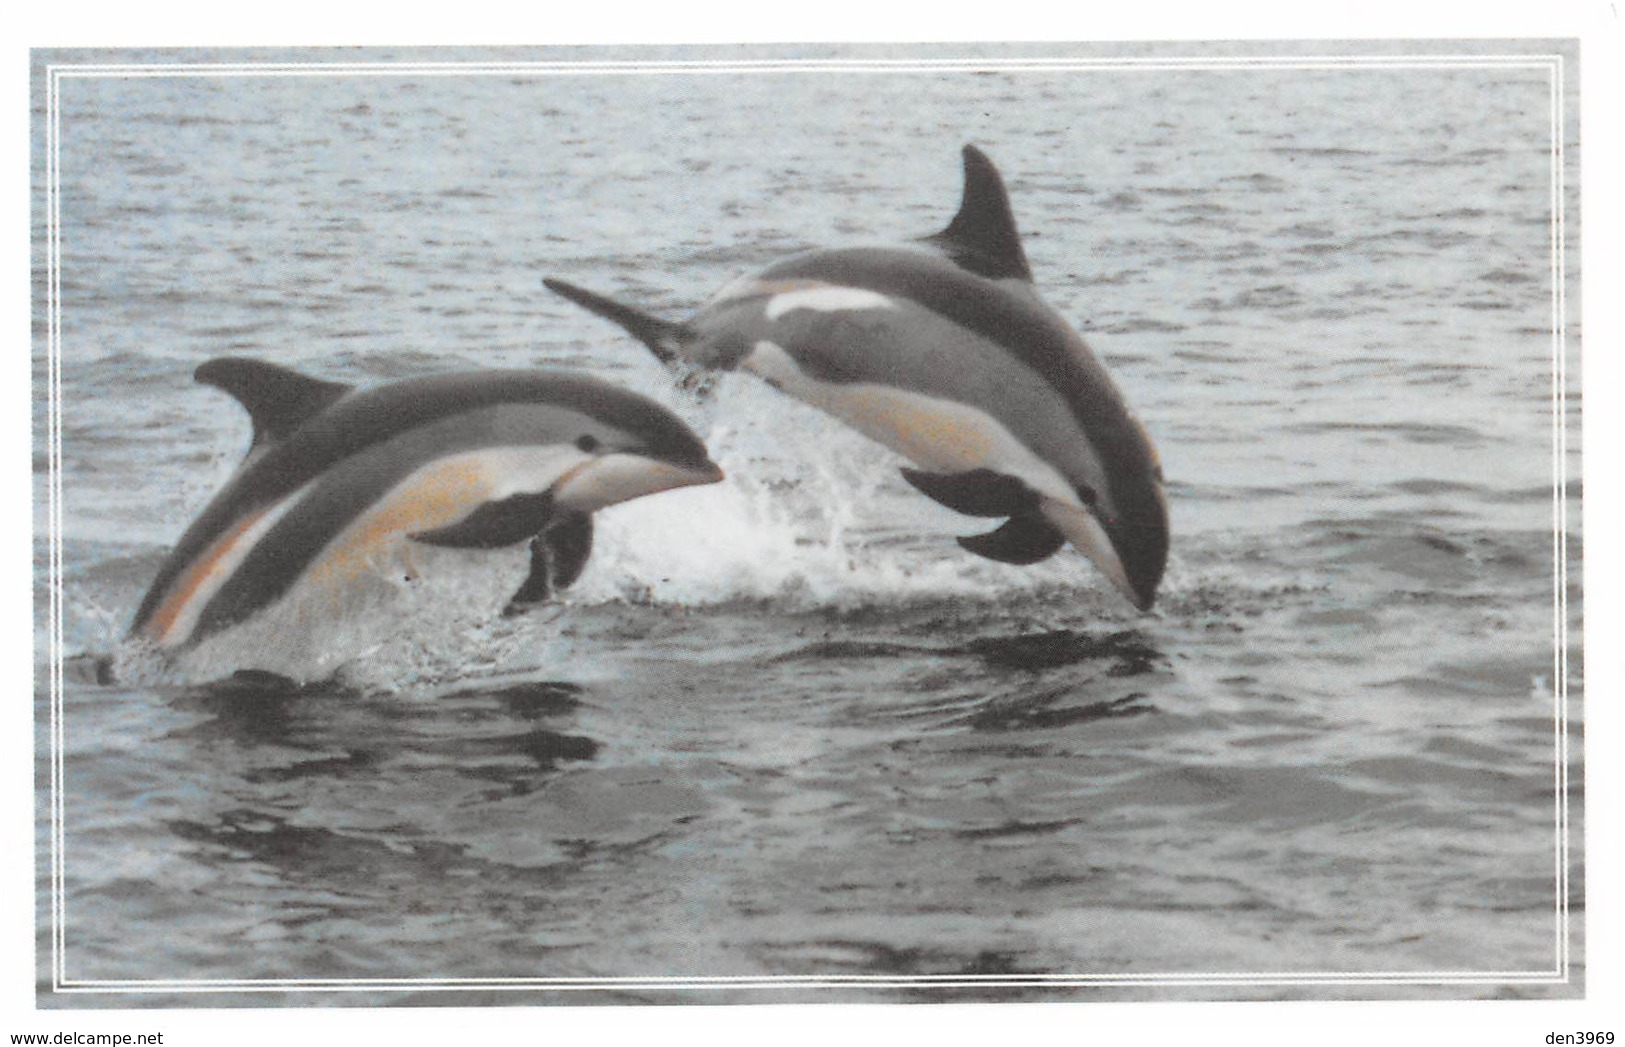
(476, 460)
(942, 351)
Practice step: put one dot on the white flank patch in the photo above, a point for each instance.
(745, 285)
(525, 469)
(825, 299)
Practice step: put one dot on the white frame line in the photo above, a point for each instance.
(1552, 63)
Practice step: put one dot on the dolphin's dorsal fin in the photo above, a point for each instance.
(277, 399)
(982, 237)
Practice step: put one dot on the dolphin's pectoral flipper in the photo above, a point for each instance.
(1024, 539)
(277, 399)
(494, 524)
(568, 541)
(976, 492)
(538, 584)
(663, 337)
(557, 557)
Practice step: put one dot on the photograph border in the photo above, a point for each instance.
(59, 71)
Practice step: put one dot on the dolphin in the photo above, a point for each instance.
(942, 350)
(477, 460)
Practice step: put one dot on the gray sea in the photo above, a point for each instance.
(785, 741)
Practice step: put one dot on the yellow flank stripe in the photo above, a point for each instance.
(185, 587)
(928, 435)
(433, 498)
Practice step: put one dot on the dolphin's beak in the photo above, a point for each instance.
(1137, 527)
(1142, 558)
(1139, 542)
(1131, 550)
(622, 476)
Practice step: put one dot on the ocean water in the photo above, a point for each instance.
(784, 740)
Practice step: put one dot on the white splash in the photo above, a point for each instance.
(811, 513)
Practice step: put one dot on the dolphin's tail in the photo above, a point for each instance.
(663, 337)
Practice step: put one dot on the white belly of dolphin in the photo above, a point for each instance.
(938, 435)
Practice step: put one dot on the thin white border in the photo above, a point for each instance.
(811, 65)
(1552, 63)
(58, 690)
(1560, 601)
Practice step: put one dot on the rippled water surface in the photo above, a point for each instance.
(784, 726)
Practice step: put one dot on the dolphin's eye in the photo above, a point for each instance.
(587, 442)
